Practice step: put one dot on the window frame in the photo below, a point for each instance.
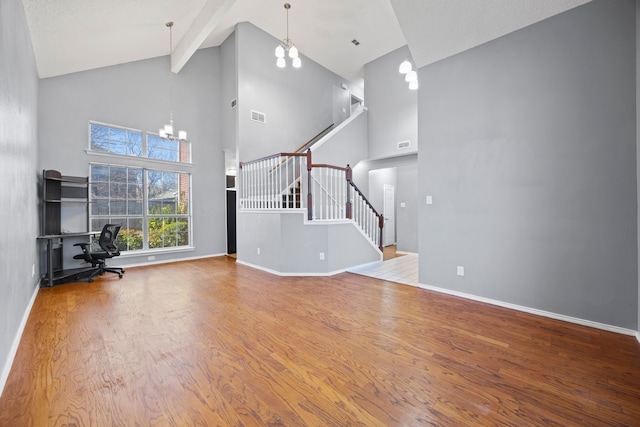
(144, 155)
(146, 213)
(146, 164)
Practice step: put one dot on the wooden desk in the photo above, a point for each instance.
(53, 276)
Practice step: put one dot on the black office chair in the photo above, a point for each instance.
(107, 242)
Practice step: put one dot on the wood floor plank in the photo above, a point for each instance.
(210, 342)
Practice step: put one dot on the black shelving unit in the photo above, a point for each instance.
(60, 192)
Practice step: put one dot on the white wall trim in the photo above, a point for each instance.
(279, 273)
(578, 321)
(638, 336)
(406, 253)
(168, 261)
(16, 342)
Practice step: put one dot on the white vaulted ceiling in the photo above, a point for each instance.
(76, 35)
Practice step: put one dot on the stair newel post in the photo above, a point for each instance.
(380, 226)
(309, 197)
(349, 176)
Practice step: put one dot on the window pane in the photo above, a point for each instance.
(182, 231)
(118, 190)
(99, 173)
(115, 140)
(100, 208)
(98, 223)
(155, 226)
(183, 193)
(134, 207)
(162, 148)
(117, 135)
(99, 136)
(130, 237)
(135, 176)
(134, 146)
(100, 190)
(118, 207)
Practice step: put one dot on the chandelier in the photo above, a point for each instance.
(410, 75)
(167, 130)
(287, 46)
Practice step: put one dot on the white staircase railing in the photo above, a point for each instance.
(292, 181)
(273, 182)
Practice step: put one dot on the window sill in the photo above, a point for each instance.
(147, 252)
(136, 158)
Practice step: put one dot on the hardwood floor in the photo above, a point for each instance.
(210, 342)
(390, 252)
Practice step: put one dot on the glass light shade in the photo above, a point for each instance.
(413, 85)
(411, 76)
(297, 63)
(293, 52)
(281, 63)
(279, 51)
(182, 135)
(405, 67)
(168, 129)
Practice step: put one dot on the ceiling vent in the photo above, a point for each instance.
(403, 145)
(259, 117)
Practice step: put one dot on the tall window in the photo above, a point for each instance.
(151, 203)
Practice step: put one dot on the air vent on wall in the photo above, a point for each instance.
(257, 116)
(403, 145)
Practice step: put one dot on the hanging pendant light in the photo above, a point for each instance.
(287, 47)
(167, 130)
(405, 67)
(410, 75)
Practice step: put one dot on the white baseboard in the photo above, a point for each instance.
(578, 321)
(638, 335)
(278, 273)
(16, 341)
(406, 253)
(167, 261)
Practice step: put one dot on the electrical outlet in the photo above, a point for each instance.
(460, 270)
(151, 257)
(322, 255)
(258, 251)
(429, 200)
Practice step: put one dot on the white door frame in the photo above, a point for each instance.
(388, 212)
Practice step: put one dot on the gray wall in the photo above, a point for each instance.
(298, 103)
(528, 147)
(229, 85)
(347, 146)
(406, 192)
(137, 95)
(393, 112)
(290, 245)
(18, 173)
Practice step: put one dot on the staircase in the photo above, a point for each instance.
(291, 181)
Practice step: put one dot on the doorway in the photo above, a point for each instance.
(382, 184)
(389, 214)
